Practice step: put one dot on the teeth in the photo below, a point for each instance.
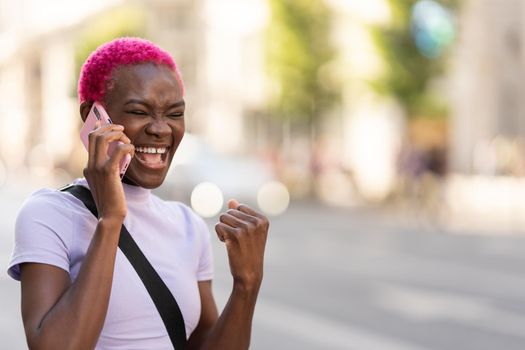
(152, 150)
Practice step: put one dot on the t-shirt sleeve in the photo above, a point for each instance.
(43, 233)
(205, 270)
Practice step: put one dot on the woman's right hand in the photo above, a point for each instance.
(102, 172)
(51, 300)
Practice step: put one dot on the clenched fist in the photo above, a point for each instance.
(244, 231)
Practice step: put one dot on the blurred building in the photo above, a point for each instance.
(36, 78)
(369, 130)
(220, 49)
(219, 52)
(487, 99)
(487, 149)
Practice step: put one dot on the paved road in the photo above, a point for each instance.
(340, 279)
(358, 279)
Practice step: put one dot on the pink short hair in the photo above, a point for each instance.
(97, 71)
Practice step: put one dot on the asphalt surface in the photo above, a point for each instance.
(357, 279)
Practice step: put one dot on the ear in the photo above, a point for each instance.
(85, 107)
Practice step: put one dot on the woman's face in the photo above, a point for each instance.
(147, 100)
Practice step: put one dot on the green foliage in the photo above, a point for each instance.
(298, 50)
(407, 72)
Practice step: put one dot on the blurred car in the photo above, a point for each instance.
(196, 163)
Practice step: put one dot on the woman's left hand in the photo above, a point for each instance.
(244, 231)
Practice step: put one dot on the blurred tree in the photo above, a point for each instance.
(298, 54)
(413, 47)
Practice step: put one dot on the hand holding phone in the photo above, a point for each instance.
(98, 113)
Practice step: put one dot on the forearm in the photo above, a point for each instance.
(244, 232)
(77, 318)
(232, 331)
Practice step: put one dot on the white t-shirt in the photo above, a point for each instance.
(56, 228)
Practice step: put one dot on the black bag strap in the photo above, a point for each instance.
(160, 294)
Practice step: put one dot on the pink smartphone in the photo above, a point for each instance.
(97, 113)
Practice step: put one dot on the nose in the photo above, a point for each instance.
(158, 127)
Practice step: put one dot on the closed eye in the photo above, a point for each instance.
(176, 115)
(137, 112)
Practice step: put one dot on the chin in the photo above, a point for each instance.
(150, 186)
(145, 181)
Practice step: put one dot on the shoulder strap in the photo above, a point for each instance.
(160, 294)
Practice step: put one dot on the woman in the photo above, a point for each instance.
(78, 290)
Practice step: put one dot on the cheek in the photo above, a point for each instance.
(132, 128)
(119, 118)
(178, 129)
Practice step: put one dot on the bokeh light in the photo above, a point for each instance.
(432, 27)
(207, 199)
(273, 198)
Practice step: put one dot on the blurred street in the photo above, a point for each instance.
(339, 279)
(357, 279)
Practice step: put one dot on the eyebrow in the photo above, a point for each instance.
(144, 103)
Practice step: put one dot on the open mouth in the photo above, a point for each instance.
(153, 157)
